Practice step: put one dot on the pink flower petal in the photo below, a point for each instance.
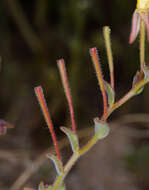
(135, 26)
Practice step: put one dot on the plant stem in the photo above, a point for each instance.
(142, 43)
(94, 139)
(89, 145)
(142, 48)
(116, 105)
(72, 161)
(67, 168)
(125, 98)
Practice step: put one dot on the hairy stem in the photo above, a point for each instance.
(94, 139)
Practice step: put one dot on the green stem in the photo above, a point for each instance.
(89, 145)
(142, 43)
(67, 168)
(116, 105)
(129, 95)
(94, 139)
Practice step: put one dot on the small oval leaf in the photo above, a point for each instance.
(101, 128)
(110, 93)
(136, 79)
(72, 138)
(146, 71)
(57, 163)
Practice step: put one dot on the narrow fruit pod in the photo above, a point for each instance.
(72, 138)
(101, 128)
(110, 93)
(57, 163)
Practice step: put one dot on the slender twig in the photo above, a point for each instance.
(84, 133)
(63, 74)
(95, 59)
(125, 98)
(107, 112)
(142, 47)
(142, 42)
(106, 32)
(44, 108)
(94, 139)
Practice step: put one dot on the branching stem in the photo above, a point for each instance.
(94, 139)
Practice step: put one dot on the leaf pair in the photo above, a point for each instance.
(74, 142)
(73, 139)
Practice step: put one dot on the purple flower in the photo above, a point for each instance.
(3, 127)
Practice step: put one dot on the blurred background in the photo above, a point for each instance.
(33, 35)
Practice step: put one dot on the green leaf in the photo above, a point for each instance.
(110, 93)
(57, 163)
(72, 138)
(101, 128)
(136, 79)
(146, 71)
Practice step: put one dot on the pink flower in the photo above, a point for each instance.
(138, 16)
